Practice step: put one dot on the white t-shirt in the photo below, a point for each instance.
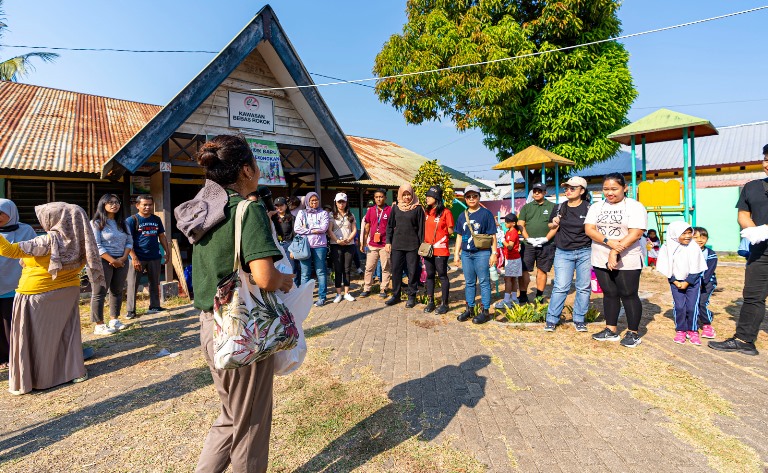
(614, 221)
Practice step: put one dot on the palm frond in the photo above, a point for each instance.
(19, 67)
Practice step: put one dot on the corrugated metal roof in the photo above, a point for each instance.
(504, 180)
(735, 145)
(44, 129)
(389, 164)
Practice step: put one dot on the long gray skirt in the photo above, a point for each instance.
(46, 346)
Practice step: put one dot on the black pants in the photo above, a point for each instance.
(341, 258)
(621, 287)
(409, 259)
(6, 312)
(439, 265)
(754, 293)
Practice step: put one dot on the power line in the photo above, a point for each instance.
(539, 53)
(116, 50)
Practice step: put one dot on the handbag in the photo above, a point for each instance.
(299, 247)
(250, 324)
(427, 249)
(482, 241)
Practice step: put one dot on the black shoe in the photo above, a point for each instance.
(443, 309)
(154, 310)
(466, 315)
(523, 300)
(430, 306)
(482, 317)
(365, 294)
(411, 302)
(392, 300)
(734, 344)
(383, 295)
(130, 315)
(631, 339)
(606, 335)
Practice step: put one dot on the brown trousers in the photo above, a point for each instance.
(373, 257)
(240, 435)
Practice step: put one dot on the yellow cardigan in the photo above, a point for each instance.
(35, 278)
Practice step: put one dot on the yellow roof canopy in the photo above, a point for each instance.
(533, 156)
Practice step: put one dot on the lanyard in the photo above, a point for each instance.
(378, 218)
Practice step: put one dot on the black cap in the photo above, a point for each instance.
(510, 217)
(280, 201)
(435, 192)
(540, 186)
(765, 149)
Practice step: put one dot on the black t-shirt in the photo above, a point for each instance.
(405, 230)
(754, 199)
(284, 227)
(571, 234)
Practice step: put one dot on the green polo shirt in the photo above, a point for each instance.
(214, 254)
(536, 217)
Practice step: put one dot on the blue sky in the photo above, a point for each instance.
(723, 61)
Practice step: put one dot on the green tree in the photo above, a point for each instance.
(566, 102)
(19, 67)
(432, 174)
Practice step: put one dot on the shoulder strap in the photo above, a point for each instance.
(466, 215)
(239, 214)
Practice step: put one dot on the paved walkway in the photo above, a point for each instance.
(519, 397)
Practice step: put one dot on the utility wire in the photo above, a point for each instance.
(117, 50)
(538, 53)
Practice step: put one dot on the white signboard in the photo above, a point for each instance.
(252, 112)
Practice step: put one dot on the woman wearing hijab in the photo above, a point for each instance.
(405, 232)
(312, 222)
(10, 271)
(46, 348)
(683, 264)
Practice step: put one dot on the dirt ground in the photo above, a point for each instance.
(142, 413)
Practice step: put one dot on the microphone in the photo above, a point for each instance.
(266, 196)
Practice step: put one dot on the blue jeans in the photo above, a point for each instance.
(318, 256)
(475, 266)
(294, 263)
(566, 262)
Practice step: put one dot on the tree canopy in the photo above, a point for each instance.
(566, 101)
(18, 67)
(432, 174)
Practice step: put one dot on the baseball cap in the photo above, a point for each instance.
(280, 201)
(340, 196)
(765, 149)
(576, 181)
(471, 188)
(540, 186)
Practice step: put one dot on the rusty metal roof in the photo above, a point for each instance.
(44, 129)
(390, 165)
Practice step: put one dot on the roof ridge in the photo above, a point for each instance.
(74, 92)
(764, 122)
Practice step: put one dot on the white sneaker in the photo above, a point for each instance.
(337, 299)
(116, 324)
(102, 329)
(348, 297)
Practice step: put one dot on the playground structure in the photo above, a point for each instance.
(664, 198)
(528, 158)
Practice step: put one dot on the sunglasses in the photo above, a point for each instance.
(472, 196)
(571, 188)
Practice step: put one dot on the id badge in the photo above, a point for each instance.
(377, 237)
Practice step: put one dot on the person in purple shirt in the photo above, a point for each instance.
(375, 239)
(313, 223)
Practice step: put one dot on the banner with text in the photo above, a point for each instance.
(252, 112)
(267, 159)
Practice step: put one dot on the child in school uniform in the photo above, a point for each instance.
(513, 268)
(708, 282)
(683, 264)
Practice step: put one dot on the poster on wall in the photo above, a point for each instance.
(140, 185)
(252, 112)
(268, 160)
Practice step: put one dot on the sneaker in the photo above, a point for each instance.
(443, 309)
(549, 327)
(103, 329)
(130, 315)
(88, 352)
(348, 297)
(680, 337)
(735, 345)
(81, 379)
(580, 326)
(694, 338)
(503, 305)
(320, 303)
(631, 339)
(707, 332)
(383, 295)
(606, 335)
(116, 324)
(155, 310)
(365, 294)
(338, 298)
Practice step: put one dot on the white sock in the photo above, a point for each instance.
(507, 295)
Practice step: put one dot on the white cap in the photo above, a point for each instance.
(576, 181)
(340, 196)
(471, 188)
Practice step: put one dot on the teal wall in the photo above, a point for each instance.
(717, 213)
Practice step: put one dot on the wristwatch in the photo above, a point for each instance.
(605, 241)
